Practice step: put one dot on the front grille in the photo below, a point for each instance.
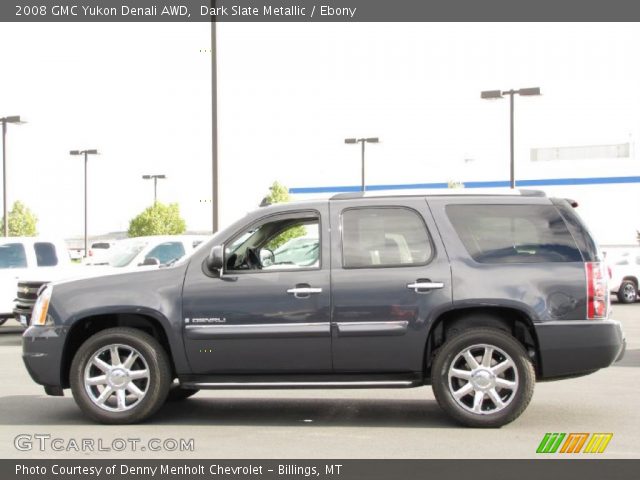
(27, 296)
(29, 290)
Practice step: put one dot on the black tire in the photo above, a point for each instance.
(156, 386)
(177, 393)
(516, 401)
(628, 292)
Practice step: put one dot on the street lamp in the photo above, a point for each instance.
(4, 120)
(86, 154)
(155, 184)
(496, 94)
(362, 141)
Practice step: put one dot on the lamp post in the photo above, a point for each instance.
(86, 154)
(496, 94)
(155, 179)
(4, 120)
(362, 141)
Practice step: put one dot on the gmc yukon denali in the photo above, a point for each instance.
(475, 295)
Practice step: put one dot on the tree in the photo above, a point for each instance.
(158, 219)
(278, 193)
(22, 221)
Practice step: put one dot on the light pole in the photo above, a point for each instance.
(362, 141)
(495, 94)
(86, 154)
(4, 120)
(155, 184)
(215, 191)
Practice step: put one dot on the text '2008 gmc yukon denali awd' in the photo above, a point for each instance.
(477, 295)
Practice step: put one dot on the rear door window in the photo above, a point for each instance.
(46, 255)
(513, 233)
(384, 237)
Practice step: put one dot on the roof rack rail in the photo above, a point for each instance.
(347, 195)
(381, 193)
(532, 193)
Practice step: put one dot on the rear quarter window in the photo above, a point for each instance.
(513, 233)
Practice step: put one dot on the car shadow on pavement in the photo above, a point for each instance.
(11, 336)
(39, 410)
(631, 359)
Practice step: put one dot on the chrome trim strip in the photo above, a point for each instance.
(266, 330)
(384, 328)
(255, 325)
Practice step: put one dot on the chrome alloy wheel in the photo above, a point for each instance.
(116, 378)
(483, 379)
(629, 292)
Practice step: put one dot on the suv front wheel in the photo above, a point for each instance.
(628, 293)
(483, 378)
(120, 375)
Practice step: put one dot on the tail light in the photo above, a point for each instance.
(597, 291)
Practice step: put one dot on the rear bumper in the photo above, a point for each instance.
(576, 347)
(42, 349)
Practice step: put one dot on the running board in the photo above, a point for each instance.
(275, 385)
(237, 382)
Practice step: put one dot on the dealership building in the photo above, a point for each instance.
(603, 179)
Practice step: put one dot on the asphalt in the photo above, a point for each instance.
(329, 423)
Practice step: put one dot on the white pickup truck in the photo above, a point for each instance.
(123, 256)
(27, 256)
(624, 266)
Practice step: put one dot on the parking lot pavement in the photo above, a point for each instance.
(334, 423)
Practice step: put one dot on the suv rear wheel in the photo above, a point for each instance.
(483, 378)
(120, 375)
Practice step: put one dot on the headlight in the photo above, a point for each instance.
(39, 316)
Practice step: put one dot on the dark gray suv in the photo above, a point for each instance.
(477, 295)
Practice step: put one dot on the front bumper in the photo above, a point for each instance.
(42, 349)
(575, 347)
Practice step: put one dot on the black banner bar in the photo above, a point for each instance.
(317, 10)
(327, 469)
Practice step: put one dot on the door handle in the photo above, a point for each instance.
(304, 292)
(424, 286)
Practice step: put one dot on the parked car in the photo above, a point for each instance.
(130, 254)
(477, 295)
(23, 256)
(152, 250)
(625, 273)
(98, 252)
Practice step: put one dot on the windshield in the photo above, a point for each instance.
(12, 255)
(122, 253)
(301, 251)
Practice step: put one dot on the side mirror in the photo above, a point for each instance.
(150, 262)
(266, 257)
(215, 260)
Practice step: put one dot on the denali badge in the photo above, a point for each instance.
(205, 320)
